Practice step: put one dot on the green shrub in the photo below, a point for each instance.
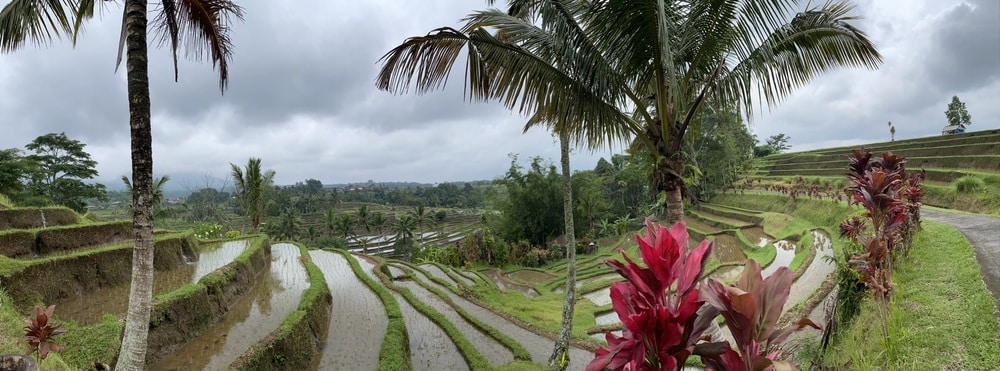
(207, 230)
(969, 184)
(232, 234)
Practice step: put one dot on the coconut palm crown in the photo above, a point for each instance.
(634, 71)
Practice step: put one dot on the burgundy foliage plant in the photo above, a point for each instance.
(658, 305)
(39, 332)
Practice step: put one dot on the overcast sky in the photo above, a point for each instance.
(302, 95)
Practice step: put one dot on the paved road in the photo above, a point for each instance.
(984, 234)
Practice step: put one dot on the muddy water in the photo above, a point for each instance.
(496, 353)
(89, 308)
(817, 271)
(755, 234)
(430, 346)
(784, 256)
(504, 284)
(438, 273)
(357, 320)
(250, 319)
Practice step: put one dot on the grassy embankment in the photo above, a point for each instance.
(942, 316)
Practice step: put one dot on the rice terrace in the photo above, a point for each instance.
(678, 240)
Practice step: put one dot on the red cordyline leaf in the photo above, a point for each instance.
(752, 308)
(39, 333)
(659, 305)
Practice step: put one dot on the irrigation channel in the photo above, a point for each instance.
(810, 280)
(89, 308)
(258, 312)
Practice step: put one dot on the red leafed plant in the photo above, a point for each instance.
(39, 332)
(751, 308)
(659, 305)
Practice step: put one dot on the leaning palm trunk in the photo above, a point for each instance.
(133, 351)
(560, 355)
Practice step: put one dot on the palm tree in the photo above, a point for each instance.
(345, 225)
(364, 218)
(289, 224)
(330, 222)
(252, 185)
(158, 210)
(422, 217)
(378, 223)
(403, 229)
(584, 63)
(201, 24)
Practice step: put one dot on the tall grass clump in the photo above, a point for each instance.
(969, 184)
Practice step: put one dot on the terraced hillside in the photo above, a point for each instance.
(963, 171)
(247, 304)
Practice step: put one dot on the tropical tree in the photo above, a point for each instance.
(203, 25)
(364, 218)
(403, 229)
(59, 165)
(252, 185)
(288, 225)
(158, 210)
(345, 225)
(330, 222)
(957, 114)
(584, 63)
(423, 218)
(379, 223)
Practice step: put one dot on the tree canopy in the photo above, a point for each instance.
(957, 114)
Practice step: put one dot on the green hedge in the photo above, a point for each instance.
(81, 236)
(17, 243)
(33, 217)
(185, 313)
(54, 279)
(301, 335)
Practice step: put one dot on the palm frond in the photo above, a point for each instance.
(204, 26)
(34, 21)
(815, 41)
(425, 62)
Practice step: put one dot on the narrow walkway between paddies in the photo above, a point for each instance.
(357, 320)
(983, 232)
(250, 319)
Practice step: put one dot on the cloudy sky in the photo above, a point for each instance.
(302, 95)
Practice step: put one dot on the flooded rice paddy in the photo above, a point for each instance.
(496, 353)
(250, 319)
(430, 346)
(357, 320)
(88, 309)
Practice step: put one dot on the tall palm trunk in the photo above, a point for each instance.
(132, 355)
(560, 355)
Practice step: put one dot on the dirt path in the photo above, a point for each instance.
(984, 233)
(539, 346)
(357, 321)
